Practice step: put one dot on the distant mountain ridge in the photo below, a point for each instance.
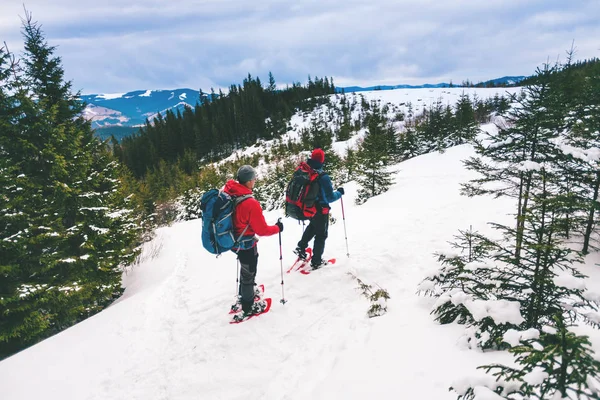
(122, 113)
(133, 108)
(505, 80)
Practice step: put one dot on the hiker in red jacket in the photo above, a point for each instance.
(248, 219)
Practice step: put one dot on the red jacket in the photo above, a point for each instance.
(248, 212)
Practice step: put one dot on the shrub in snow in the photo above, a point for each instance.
(378, 298)
(188, 205)
(165, 213)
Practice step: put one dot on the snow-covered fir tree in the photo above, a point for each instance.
(465, 127)
(349, 166)
(373, 159)
(551, 363)
(270, 188)
(581, 147)
(67, 229)
(509, 157)
(409, 143)
(534, 159)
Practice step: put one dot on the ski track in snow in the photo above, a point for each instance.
(169, 336)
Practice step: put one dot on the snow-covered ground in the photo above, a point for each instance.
(169, 336)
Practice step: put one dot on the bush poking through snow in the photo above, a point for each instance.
(378, 298)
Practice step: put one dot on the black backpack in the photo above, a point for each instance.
(301, 193)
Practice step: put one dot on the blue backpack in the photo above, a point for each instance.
(217, 221)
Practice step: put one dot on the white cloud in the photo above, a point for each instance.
(114, 46)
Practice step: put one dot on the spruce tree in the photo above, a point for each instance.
(270, 189)
(66, 231)
(581, 147)
(509, 158)
(349, 166)
(551, 363)
(372, 174)
(541, 280)
(409, 144)
(465, 126)
(345, 127)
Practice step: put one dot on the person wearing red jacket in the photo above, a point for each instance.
(249, 220)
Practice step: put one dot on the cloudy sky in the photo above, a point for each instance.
(117, 46)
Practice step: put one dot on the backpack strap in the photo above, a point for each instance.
(236, 201)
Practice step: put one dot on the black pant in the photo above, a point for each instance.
(317, 228)
(248, 263)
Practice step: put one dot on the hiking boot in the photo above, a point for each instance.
(301, 253)
(255, 308)
(258, 307)
(258, 292)
(317, 264)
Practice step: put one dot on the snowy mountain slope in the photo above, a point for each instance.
(168, 337)
(132, 108)
(402, 100)
(509, 80)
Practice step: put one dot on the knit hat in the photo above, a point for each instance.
(318, 156)
(246, 174)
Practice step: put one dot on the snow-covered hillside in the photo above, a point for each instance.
(168, 337)
(398, 100)
(133, 108)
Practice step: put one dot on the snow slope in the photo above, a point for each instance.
(168, 337)
(397, 100)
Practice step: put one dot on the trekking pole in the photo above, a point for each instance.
(237, 269)
(237, 277)
(345, 234)
(283, 301)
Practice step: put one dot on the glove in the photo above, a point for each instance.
(341, 190)
(280, 225)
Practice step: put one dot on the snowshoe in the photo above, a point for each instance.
(259, 291)
(258, 308)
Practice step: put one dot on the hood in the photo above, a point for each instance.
(235, 188)
(314, 164)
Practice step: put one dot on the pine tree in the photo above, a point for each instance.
(543, 279)
(464, 273)
(65, 235)
(349, 166)
(346, 127)
(538, 283)
(510, 157)
(372, 173)
(272, 87)
(580, 145)
(270, 189)
(321, 135)
(551, 363)
(465, 125)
